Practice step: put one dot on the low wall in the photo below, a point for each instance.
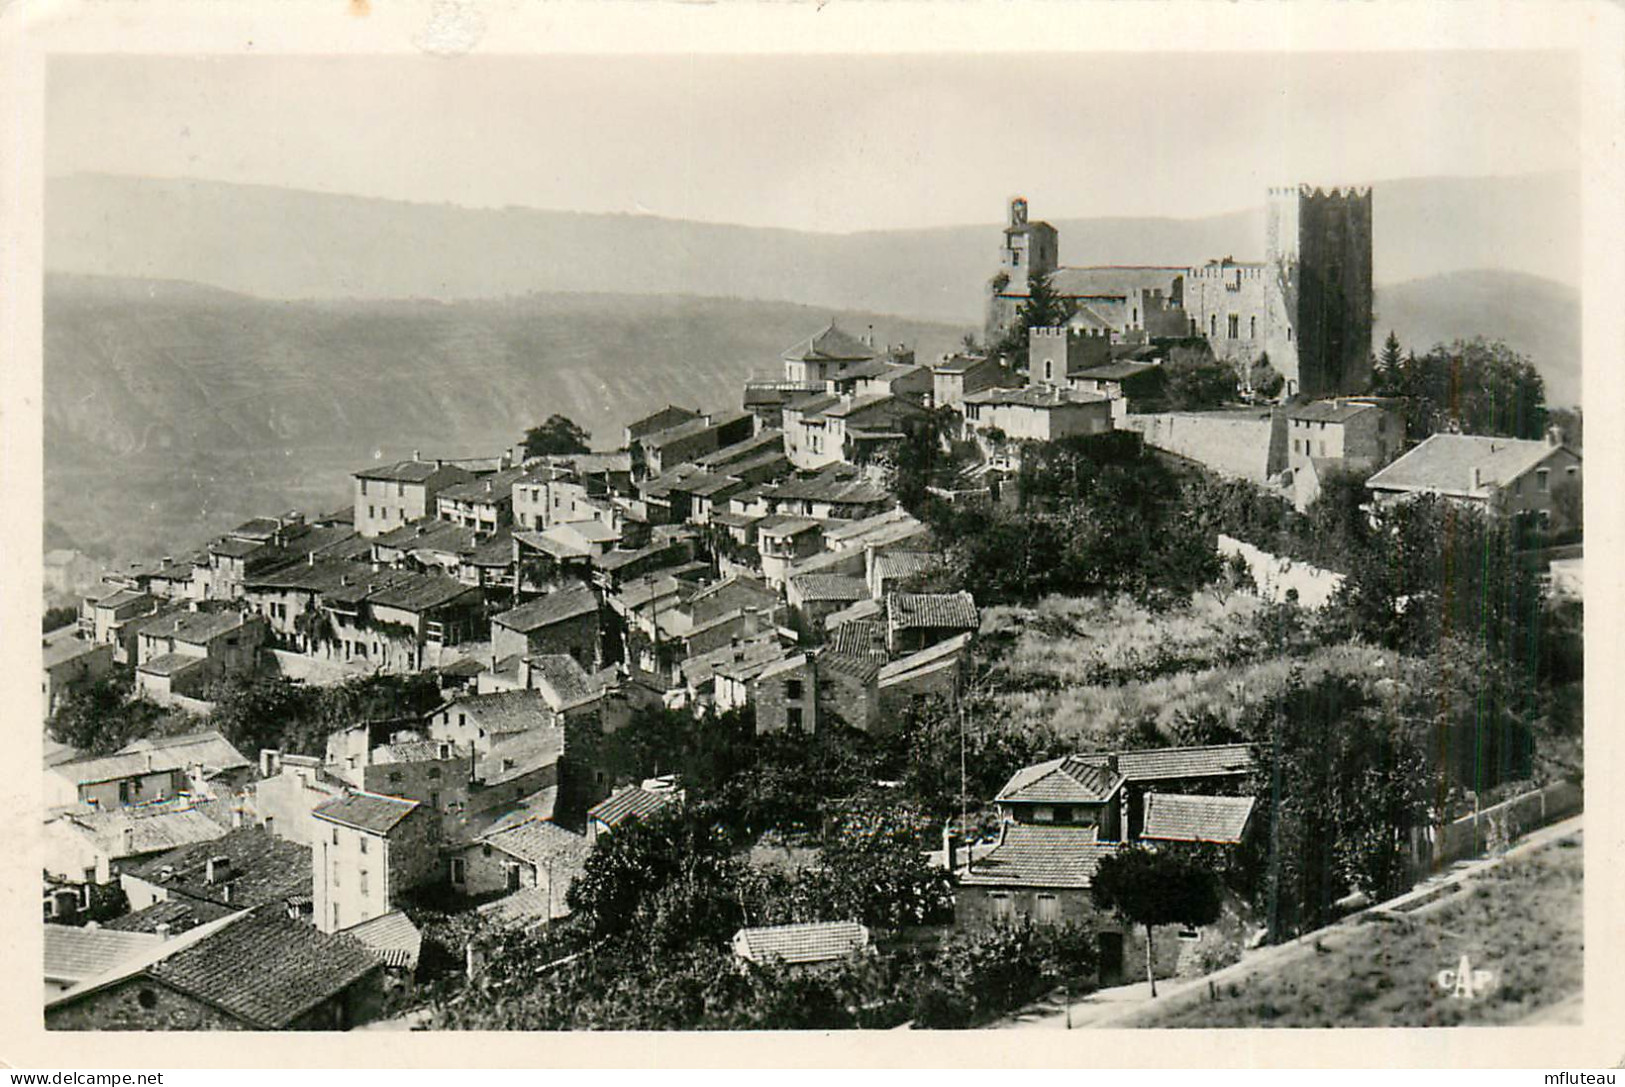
(1498, 826)
(1276, 577)
(1248, 445)
(320, 673)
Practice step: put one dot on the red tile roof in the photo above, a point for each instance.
(632, 802)
(1072, 779)
(366, 811)
(555, 607)
(934, 610)
(392, 937)
(818, 941)
(265, 969)
(1168, 763)
(1176, 817)
(1040, 856)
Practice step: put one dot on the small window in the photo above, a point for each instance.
(1543, 479)
(458, 874)
(792, 690)
(147, 999)
(335, 916)
(394, 777)
(1063, 814)
(1252, 328)
(1235, 326)
(1213, 324)
(364, 881)
(1049, 909)
(434, 773)
(362, 842)
(336, 830)
(794, 718)
(1190, 935)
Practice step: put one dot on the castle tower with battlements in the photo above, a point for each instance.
(1318, 259)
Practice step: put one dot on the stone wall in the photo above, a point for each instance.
(1249, 444)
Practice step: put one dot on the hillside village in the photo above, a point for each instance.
(883, 674)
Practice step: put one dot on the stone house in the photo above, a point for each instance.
(936, 671)
(254, 970)
(1510, 475)
(1036, 413)
(915, 621)
(782, 541)
(94, 847)
(785, 695)
(664, 419)
(389, 496)
(564, 621)
(244, 869)
(368, 852)
(484, 505)
(955, 377)
(102, 616)
(70, 661)
(816, 596)
(401, 621)
(534, 854)
(114, 781)
(290, 787)
(184, 653)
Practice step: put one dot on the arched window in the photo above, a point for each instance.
(1252, 328)
(1213, 324)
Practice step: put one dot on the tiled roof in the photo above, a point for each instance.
(958, 364)
(59, 649)
(110, 768)
(740, 661)
(410, 471)
(1444, 463)
(1071, 779)
(208, 749)
(73, 954)
(828, 488)
(366, 811)
(564, 677)
(172, 664)
(121, 597)
(428, 534)
(540, 843)
(325, 574)
(1169, 763)
(590, 529)
(555, 607)
(260, 868)
(236, 549)
(197, 627)
(1112, 281)
(817, 941)
(526, 905)
(504, 711)
(519, 754)
(148, 832)
(496, 487)
(418, 751)
(1030, 855)
(1329, 411)
(946, 652)
(784, 525)
(672, 435)
(864, 667)
(420, 592)
(829, 345)
(859, 638)
(266, 969)
(180, 915)
(892, 526)
(1115, 371)
(392, 937)
(632, 802)
(769, 439)
(541, 804)
(912, 610)
(826, 587)
(1035, 396)
(904, 564)
(257, 528)
(664, 419)
(812, 403)
(1175, 817)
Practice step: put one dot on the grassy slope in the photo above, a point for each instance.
(1523, 922)
(174, 410)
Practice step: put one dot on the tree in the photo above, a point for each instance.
(559, 435)
(1197, 381)
(1390, 362)
(1042, 309)
(1476, 386)
(101, 716)
(1264, 379)
(1151, 888)
(56, 618)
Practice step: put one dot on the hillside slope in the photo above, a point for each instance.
(313, 245)
(172, 409)
(1536, 317)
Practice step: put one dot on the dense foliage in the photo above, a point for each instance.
(100, 716)
(275, 712)
(1475, 386)
(559, 435)
(1152, 887)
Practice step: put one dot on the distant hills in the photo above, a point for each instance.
(214, 350)
(282, 243)
(173, 410)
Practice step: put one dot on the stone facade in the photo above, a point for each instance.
(1249, 444)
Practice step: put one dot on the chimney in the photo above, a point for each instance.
(127, 839)
(1476, 478)
(1554, 436)
(310, 559)
(217, 870)
(416, 455)
(488, 486)
(524, 673)
(161, 930)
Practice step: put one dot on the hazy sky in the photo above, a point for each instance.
(818, 143)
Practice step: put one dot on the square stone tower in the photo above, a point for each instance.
(1318, 247)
